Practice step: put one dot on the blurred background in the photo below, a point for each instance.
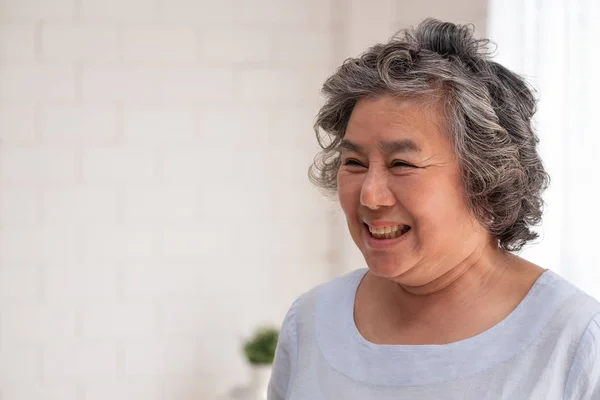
(154, 201)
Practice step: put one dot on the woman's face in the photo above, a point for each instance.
(400, 187)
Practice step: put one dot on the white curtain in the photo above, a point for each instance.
(555, 44)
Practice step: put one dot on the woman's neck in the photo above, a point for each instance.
(466, 300)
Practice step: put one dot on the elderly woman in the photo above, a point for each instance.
(434, 161)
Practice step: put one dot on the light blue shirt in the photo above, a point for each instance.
(547, 348)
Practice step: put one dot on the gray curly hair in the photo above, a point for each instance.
(489, 110)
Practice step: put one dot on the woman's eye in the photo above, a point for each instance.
(400, 164)
(353, 162)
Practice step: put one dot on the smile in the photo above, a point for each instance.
(388, 232)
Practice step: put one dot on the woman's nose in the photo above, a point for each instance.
(375, 192)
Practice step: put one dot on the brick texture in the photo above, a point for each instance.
(154, 206)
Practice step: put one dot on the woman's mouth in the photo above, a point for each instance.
(388, 232)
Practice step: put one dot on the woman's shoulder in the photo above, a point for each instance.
(580, 303)
(346, 283)
(572, 313)
(329, 294)
(338, 288)
(583, 381)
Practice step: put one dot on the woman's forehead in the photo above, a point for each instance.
(386, 119)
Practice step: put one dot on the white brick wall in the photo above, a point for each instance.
(17, 124)
(23, 82)
(202, 84)
(157, 44)
(20, 364)
(90, 282)
(154, 205)
(130, 11)
(79, 41)
(19, 283)
(17, 40)
(38, 324)
(70, 125)
(80, 361)
(120, 165)
(31, 165)
(19, 206)
(236, 44)
(142, 388)
(37, 244)
(15, 391)
(37, 9)
(215, 13)
(111, 83)
(119, 322)
(146, 126)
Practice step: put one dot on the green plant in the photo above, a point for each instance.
(260, 348)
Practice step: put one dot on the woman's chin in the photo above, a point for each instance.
(386, 269)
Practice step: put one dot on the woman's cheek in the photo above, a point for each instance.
(349, 186)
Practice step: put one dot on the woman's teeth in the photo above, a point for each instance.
(389, 232)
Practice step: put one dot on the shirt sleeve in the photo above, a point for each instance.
(583, 382)
(286, 354)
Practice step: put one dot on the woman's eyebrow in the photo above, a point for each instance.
(395, 146)
(346, 144)
(399, 146)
